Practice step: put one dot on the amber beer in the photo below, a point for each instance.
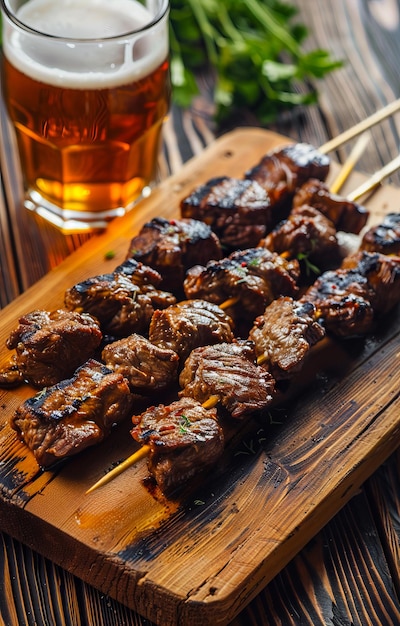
(88, 99)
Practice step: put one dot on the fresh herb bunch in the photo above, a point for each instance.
(254, 48)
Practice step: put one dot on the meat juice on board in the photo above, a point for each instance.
(88, 116)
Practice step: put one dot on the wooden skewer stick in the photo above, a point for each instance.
(351, 161)
(131, 460)
(361, 127)
(230, 302)
(140, 454)
(375, 180)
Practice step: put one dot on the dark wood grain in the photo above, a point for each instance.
(322, 584)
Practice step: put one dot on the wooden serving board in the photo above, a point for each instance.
(199, 560)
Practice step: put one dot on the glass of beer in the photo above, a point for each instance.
(87, 89)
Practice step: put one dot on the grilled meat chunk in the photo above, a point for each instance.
(308, 234)
(10, 374)
(188, 325)
(345, 215)
(228, 371)
(121, 305)
(66, 418)
(139, 273)
(173, 246)
(254, 277)
(384, 237)
(382, 273)
(284, 335)
(237, 210)
(281, 171)
(51, 345)
(343, 301)
(185, 439)
(147, 367)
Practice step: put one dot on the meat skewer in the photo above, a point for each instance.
(284, 335)
(171, 247)
(76, 411)
(370, 275)
(308, 236)
(223, 374)
(122, 301)
(231, 376)
(49, 346)
(254, 277)
(144, 451)
(242, 211)
(349, 299)
(66, 418)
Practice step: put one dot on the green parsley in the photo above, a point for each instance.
(253, 47)
(309, 267)
(184, 424)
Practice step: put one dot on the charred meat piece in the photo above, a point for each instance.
(140, 274)
(10, 374)
(384, 237)
(51, 345)
(383, 275)
(281, 171)
(343, 301)
(74, 414)
(305, 234)
(146, 366)
(254, 277)
(148, 280)
(228, 371)
(121, 306)
(345, 215)
(188, 325)
(284, 335)
(185, 439)
(173, 246)
(237, 210)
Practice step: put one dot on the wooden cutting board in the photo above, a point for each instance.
(200, 559)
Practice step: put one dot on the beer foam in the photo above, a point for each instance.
(69, 58)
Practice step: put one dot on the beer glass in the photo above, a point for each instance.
(87, 89)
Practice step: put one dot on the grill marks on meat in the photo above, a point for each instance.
(382, 273)
(50, 346)
(188, 325)
(345, 215)
(66, 418)
(306, 233)
(123, 301)
(283, 170)
(350, 298)
(147, 367)
(173, 246)
(229, 371)
(384, 237)
(343, 300)
(255, 277)
(237, 210)
(284, 334)
(184, 438)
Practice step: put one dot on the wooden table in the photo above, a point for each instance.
(349, 573)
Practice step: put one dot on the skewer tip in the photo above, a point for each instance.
(131, 460)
